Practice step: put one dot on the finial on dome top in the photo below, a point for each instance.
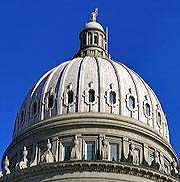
(94, 15)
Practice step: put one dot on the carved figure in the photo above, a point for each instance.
(1, 174)
(105, 149)
(24, 162)
(162, 167)
(174, 170)
(47, 156)
(94, 15)
(155, 163)
(6, 166)
(133, 155)
(75, 153)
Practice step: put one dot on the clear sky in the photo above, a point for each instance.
(37, 35)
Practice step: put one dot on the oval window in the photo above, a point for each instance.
(147, 109)
(22, 117)
(51, 101)
(159, 118)
(34, 108)
(131, 102)
(91, 95)
(112, 97)
(70, 97)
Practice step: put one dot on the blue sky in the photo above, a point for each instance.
(37, 35)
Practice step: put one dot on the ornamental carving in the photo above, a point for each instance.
(147, 108)
(68, 97)
(22, 164)
(47, 156)
(111, 97)
(34, 107)
(75, 153)
(105, 149)
(50, 100)
(90, 97)
(131, 101)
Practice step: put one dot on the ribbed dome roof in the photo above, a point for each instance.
(91, 84)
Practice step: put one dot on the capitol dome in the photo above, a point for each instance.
(90, 119)
(92, 84)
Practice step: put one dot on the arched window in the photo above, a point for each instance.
(102, 41)
(91, 95)
(70, 97)
(90, 38)
(112, 97)
(131, 102)
(147, 109)
(34, 108)
(84, 40)
(159, 118)
(96, 39)
(50, 101)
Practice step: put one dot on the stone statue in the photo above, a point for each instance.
(133, 155)
(174, 170)
(94, 15)
(6, 166)
(105, 150)
(1, 174)
(155, 163)
(47, 156)
(23, 164)
(75, 153)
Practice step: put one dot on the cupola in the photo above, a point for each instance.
(93, 39)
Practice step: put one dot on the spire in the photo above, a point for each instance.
(93, 39)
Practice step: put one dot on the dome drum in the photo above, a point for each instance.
(128, 142)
